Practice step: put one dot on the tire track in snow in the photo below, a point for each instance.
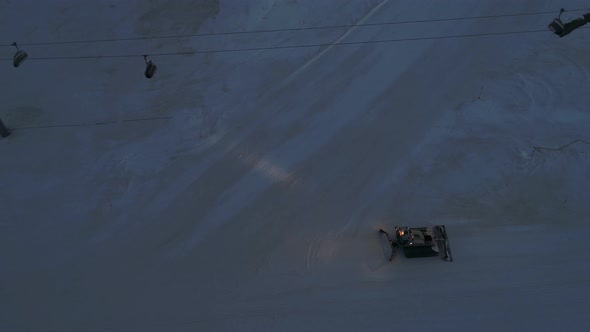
(228, 144)
(455, 78)
(235, 198)
(323, 127)
(336, 42)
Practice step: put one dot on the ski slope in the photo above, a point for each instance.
(251, 198)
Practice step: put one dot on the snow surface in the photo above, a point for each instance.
(255, 206)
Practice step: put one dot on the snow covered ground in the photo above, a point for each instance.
(253, 204)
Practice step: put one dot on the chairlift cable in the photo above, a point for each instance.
(363, 42)
(92, 124)
(342, 26)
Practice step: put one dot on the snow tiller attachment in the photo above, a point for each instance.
(417, 242)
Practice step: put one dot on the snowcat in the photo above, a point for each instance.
(417, 242)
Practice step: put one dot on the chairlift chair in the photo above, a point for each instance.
(557, 25)
(150, 68)
(19, 57)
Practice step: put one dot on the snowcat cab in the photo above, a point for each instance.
(417, 242)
